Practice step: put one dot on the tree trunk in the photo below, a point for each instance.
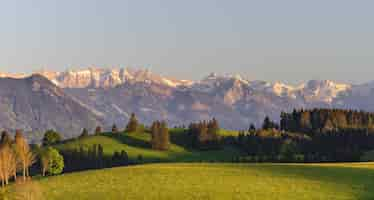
(24, 173)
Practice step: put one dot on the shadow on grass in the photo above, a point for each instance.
(125, 138)
(360, 180)
(181, 138)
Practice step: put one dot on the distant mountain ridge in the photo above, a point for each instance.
(35, 104)
(110, 95)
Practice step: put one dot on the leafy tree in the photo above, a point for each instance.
(132, 126)
(52, 161)
(51, 137)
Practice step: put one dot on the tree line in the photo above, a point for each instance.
(317, 135)
(326, 120)
(92, 157)
(205, 134)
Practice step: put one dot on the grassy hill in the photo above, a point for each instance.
(215, 181)
(136, 144)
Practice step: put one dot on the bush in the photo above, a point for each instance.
(51, 137)
(52, 161)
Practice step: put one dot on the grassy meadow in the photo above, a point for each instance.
(179, 178)
(215, 181)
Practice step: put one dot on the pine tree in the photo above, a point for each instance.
(114, 128)
(155, 133)
(84, 133)
(5, 138)
(164, 139)
(98, 130)
(132, 126)
(252, 128)
(213, 127)
(267, 123)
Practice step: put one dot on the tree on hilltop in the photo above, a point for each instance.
(98, 130)
(51, 137)
(5, 138)
(132, 126)
(84, 133)
(114, 128)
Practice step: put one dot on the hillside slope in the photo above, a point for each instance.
(138, 144)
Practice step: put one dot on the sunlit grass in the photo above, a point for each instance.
(136, 144)
(216, 181)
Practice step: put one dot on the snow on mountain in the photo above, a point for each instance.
(324, 91)
(312, 91)
(107, 78)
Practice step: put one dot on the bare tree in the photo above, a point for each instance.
(25, 155)
(8, 163)
(44, 161)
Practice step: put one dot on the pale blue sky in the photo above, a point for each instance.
(270, 40)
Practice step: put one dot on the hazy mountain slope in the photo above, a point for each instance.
(34, 104)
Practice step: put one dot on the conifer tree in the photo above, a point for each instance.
(132, 126)
(98, 130)
(5, 138)
(84, 133)
(155, 128)
(114, 128)
(252, 128)
(164, 136)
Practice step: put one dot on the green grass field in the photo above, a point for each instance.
(136, 144)
(215, 181)
(180, 180)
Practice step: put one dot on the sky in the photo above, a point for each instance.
(288, 40)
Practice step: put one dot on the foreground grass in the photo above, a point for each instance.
(216, 181)
(136, 144)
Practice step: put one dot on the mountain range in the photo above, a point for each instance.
(71, 100)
